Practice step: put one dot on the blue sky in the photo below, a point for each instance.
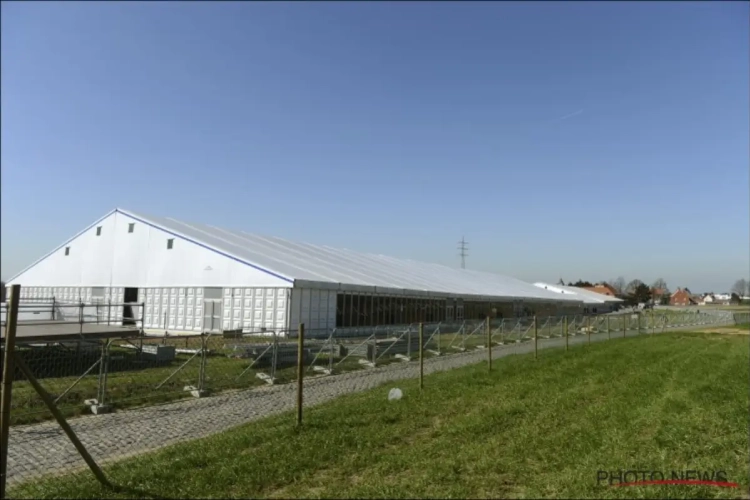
(577, 140)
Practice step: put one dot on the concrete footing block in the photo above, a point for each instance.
(100, 409)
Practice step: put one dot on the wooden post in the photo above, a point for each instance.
(565, 327)
(489, 344)
(421, 356)
(63, 423)
(300, 371)
(536, 346)
(11, 321)
(588, 327)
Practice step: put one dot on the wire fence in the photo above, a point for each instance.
(126, 371)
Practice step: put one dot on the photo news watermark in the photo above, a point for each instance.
(691, 477)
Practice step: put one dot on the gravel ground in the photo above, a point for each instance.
(42, 449)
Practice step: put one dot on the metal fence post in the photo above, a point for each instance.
(408, 343)
(421, 356)
(565, 327)
(300, 371)
(624, 325)
(638, 324)
(651, 322)
(549, 327)
(489, 344)
(609, 332)
(80, 316)
(439, 334)
(202, 366)
(101, 389)
(588, 327)
(331, 355)
(536, 348)
(11, 321)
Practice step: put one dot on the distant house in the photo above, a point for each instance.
(602, 288)
(682, 297)
(707, 299)
(657, 294)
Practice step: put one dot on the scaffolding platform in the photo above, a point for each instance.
(58, 331)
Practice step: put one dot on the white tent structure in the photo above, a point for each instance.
(593, 302)
(198, 277)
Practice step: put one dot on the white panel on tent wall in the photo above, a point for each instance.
(258, 308)
(304, 314)
(237, 308)
(332, 304)
(181, 304)
(315, 309)
(281, 303)
(248, 321)
(149, 300)
(119, 300)
(226, 310)
(296, 300)
(268, 309)
(190, 309)
(323, 310)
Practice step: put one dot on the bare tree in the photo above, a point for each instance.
(632, 286)
(659, 284)
(618, 284)
(740, 287)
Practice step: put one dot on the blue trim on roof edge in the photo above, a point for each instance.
(203, 245)
(79, 233)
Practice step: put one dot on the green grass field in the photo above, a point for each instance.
(529, 429)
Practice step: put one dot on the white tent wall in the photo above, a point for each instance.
(314, 307)
(120, 251)
(122, 255)
(317, 306)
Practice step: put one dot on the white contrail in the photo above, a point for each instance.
(571, 115)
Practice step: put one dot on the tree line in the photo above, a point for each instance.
(636, 291)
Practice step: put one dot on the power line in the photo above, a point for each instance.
(463, 251)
